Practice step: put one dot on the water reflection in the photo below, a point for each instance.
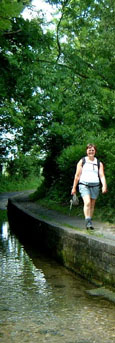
(20, 263)
(43, 302)
(4, 230)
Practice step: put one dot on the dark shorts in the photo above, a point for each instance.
(92, 191)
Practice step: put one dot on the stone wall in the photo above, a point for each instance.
(89, 256)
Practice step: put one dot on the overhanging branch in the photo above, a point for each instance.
(11, 32)
(76, 72)
(58, 28)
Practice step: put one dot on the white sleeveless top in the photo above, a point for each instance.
(90, 172)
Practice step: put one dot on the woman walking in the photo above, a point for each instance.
(89, 173)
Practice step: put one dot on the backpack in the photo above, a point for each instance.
(98, 164)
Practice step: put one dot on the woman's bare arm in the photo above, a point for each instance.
(77, 177)
(102, 178)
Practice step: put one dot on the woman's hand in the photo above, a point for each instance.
(73, 191)
(104, 189)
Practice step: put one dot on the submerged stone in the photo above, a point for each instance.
(102, 292)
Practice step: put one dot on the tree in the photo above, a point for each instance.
(20, 50)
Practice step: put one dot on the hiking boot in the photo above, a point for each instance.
(89, 225)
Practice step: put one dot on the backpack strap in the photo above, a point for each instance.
(98, 163)
(83, 161)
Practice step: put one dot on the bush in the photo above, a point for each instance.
(67, 162)
(23, 166)
(10, 184)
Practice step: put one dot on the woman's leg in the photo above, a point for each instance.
(93, 201)
(87, 206)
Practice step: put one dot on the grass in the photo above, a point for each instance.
(13, 185)
(3, 216)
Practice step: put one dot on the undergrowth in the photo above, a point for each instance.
(8, 184)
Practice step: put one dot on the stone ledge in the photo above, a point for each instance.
(90, 256)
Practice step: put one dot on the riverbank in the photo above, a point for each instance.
(90, 254)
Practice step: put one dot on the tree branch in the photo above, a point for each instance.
(11, 32)
(58, 28)
(75, 71)
(64, 66)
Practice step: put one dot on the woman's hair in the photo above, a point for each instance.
(91, 146)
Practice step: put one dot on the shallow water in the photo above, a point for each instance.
(42, 302)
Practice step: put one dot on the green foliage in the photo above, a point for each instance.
(14, 184)
(23, 167)
(41, 191)
(3, 217)
(10, 9)
(107, 155)
(67, 162)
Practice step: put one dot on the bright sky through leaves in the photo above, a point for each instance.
(38, 6)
